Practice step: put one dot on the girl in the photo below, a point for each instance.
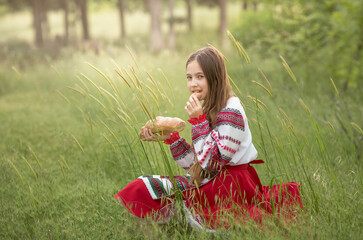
(221, 181)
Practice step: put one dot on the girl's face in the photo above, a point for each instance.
(196, 80)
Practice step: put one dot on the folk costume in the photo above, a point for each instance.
(231, 186)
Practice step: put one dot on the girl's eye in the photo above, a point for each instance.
(200, 76)
(189, 77)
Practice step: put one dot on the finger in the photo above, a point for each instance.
(189, 106)
(187, 110)
(196, 100)
(192, 100)
(150, 132)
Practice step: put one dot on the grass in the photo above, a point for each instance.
(69, 141)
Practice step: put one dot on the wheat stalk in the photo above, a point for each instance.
(30, 167)
(265, 78)
(78, 144)
(35, 157)
(16, 171)
(288, 69)
(263, 87)
(334, 86)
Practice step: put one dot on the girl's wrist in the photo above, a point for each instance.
(196, 120)
(173, 138)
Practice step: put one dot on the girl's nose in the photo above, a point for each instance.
(194, 82)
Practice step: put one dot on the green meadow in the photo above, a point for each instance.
(70, 121)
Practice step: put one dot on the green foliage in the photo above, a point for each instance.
(319, 37)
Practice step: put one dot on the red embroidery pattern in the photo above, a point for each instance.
(181, 148)
(173, 138)
(231, 139)
(205, 155)
(198, 120)
(224, 147)
(198, 131)
(231, 117)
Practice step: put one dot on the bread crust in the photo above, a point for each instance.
(165, 125)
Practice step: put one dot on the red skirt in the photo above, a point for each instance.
(234, 194)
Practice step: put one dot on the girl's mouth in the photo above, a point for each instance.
(197, 94)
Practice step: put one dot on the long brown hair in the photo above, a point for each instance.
(212, 63)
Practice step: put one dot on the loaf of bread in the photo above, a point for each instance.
(165, 125)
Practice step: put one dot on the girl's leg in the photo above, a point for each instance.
(136, 199)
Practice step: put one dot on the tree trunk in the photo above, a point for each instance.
(255, 6)
(37, 22)
(156, 36)
(66, 22)
(44, 20)
(171, 43)
(121, 9)
(189, 11)
(84, 17)
(245, 5)
(223, 22)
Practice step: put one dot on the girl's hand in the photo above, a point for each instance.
(193, 108)
(147, 135)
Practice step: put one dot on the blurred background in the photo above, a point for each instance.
(324, 37)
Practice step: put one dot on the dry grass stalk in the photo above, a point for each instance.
(78, 144)
(288, 69)
(16, 171)
(35, 157)
(60, 165)
(104, 76)
(167, 81)
(65, 162)
(63, 96)
(263, 87)
(16, 71)
(30, 167)
(330, 125)
(90, 122)
(132, 55)
(304, 106)
(98, 101)
(85, 85)
(89, 80)
(78, 91)
(334, 86)
(56, 71)
(356, 127)
(240, 49)
(265, 78)
(118, 71)
(234, 85)
(113, 148)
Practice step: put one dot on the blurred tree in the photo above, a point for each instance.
(222, 4)
(189, 14)
(171, 43)
(222, 21)
(121, 9)
(84, 18)
(37, 21)
(245, 4)
(156, 35)
(66, 21)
